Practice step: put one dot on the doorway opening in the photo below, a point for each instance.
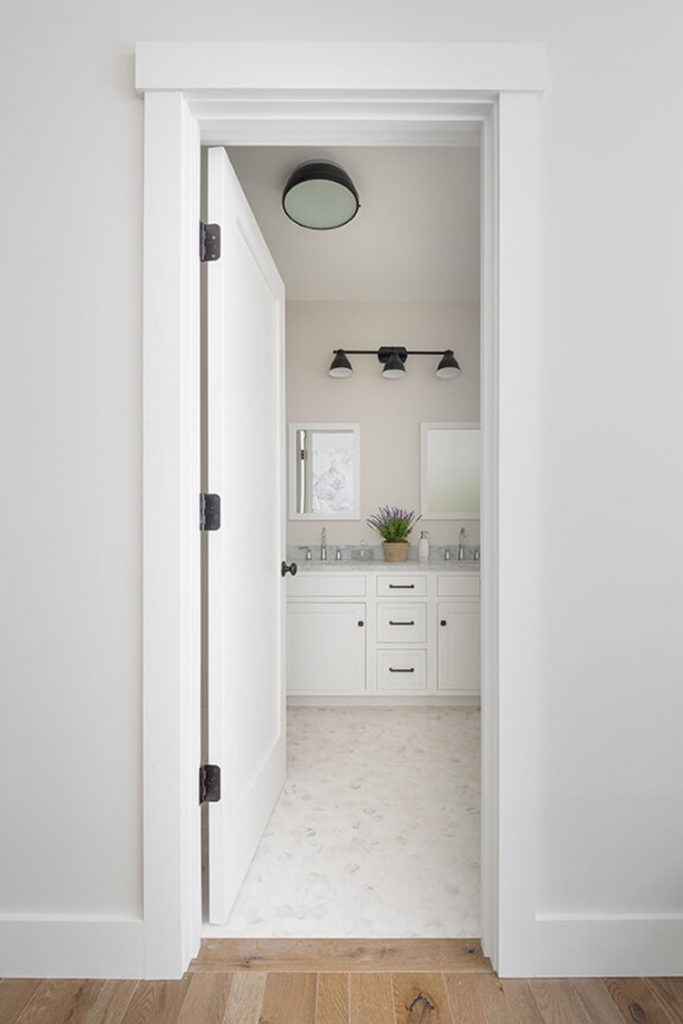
(375, 832)
(219, 94)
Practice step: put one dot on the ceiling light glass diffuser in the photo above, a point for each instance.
(320, 195)
(340, 366)
(449, 366)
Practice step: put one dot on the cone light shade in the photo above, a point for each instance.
(394, 368)
(320, 195)
(448, 367)
(340, 366)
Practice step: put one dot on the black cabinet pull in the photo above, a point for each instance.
(443, 622)
(401, 586)
(393, 623)
(293, 568)
(360, 622)
(401, 669)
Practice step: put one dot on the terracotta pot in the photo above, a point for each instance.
(396, 550)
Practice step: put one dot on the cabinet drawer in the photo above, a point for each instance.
(401, 586)
(318, 584)
(402, 670)
(401, 623)
(458, 586)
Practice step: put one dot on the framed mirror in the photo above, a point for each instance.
(324, 471)
(449, 466)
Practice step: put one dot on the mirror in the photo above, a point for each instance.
(324, 470)
(450, 470)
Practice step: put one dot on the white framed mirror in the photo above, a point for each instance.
(324, 471)
(449, 470)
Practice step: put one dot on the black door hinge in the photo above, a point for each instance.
(209, 511)
(209, 783)
(209, 242)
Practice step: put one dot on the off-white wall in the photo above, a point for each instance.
(612, 421)
(389, 412)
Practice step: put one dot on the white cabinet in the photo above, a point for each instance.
(458, 643)
(401, 671)
(381, 634)
(401, 622)
(326, 647)
(402, 586)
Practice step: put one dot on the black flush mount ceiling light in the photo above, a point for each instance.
(320, 195)
(393, 359)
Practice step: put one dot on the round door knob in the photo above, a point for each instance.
(443, 622)
(293, 569)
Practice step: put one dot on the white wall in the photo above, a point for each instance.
(612, 571)
(389, 412)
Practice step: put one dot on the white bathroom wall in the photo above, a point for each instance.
(389, 412)
(611, 831)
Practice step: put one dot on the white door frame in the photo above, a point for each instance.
(341, 94)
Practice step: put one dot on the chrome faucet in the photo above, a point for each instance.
(323, 546)
(461, 544)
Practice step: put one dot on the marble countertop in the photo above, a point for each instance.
(377, 565)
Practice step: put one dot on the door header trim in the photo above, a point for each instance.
(455, 67)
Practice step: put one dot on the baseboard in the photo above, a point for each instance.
(67, 947)
(382, 700)
(569, 945)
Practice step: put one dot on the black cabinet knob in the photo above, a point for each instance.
(293, 569)
(443, 622)
(360, 622)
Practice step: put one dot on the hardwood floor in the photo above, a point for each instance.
(317, 956)
(441, 981)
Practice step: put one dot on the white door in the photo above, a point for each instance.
(245, 440)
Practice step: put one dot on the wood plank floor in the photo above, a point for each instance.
(330, 981)
(365, 997)
(321, 955)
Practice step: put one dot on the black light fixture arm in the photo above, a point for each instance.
(401, 351)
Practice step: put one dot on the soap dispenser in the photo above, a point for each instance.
(423, 547)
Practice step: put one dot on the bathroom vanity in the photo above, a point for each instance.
(383, 633)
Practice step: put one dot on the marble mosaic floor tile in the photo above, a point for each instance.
(376, 832)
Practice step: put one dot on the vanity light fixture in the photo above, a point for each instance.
(449, 366)
(340, 366)
(393, 358)
(320, 195)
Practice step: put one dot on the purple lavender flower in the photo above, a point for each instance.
(393, 523)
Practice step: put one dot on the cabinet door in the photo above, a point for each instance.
(459, 657)
(325, 647)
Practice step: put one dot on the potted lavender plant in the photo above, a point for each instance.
(394, 525)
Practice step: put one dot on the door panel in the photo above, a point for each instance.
(325, 647)
(245, 438)
(459, 655)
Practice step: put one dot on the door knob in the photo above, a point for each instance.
(293, 569)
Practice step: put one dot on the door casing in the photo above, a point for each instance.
(341, 94)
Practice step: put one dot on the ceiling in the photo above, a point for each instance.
(415, 237)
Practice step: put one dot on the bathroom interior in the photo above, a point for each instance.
(376, 832)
